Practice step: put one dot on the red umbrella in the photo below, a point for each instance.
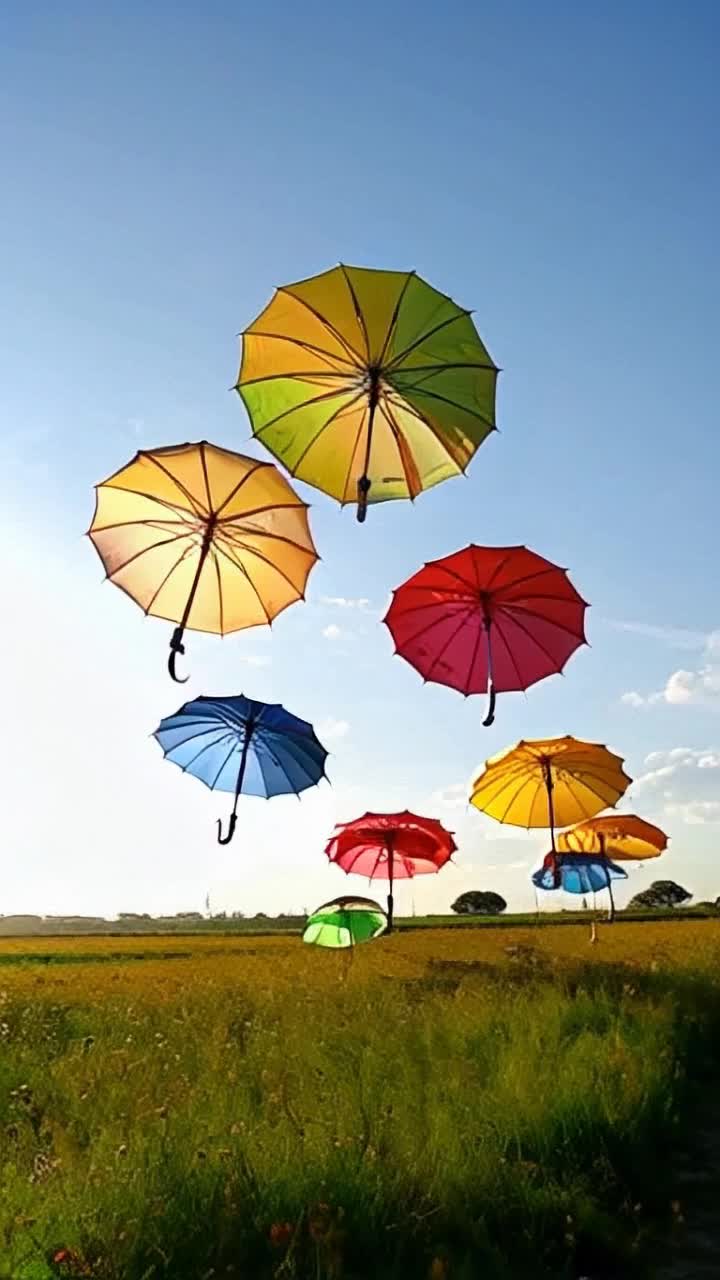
(391, 846)
(487, 618)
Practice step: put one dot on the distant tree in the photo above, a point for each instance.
(238, 915)
(479, 902)
(662, 893)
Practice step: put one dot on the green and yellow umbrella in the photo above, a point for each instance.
(369, 385)
(345, 922)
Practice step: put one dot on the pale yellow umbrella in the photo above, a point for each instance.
(203, 537)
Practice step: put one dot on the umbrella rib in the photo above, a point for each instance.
(283, 770)
(194, 503)
(423, 630)
(203, 461)
(410, 409)
(358, 311)
(328, 325)
(550, 622)
(241, 567)
(156, 523)
(304, 346)
(232, 537)
(242, 516)
(442, 365)
(499, 568)
(436, 659)
(203, 728)
(333, 418)
(304, 375)
(166, 542)
(353, 451)
(305, 404)
(228, 757)
(508, 649)
(252, 551)
(165, 580)
(394, 316)
(435, 395)
(243, 480)
(535, 641)
(480, 632)
(181, 512)
(429, 333)
(414, 483)
(208, 745)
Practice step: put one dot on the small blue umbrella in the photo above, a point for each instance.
(577, 873)
(243, 746)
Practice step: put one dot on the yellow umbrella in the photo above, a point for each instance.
(370, 385)
(620, 836)
(549, 782)
(203, 537)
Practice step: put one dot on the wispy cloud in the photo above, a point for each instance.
(330, 729)
(333, 632)
(345, 602)
(685, 687)
(674, 637)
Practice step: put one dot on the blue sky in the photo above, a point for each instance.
(165, 167)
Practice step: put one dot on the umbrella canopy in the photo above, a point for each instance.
(487, 618)
(247, 747)
(208, 539)
(391, 846)
(622, 836)
(549, 782)
(369, 385)
(345, 922)
(577, 873)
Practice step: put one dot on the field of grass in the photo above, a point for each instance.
(442, 1103)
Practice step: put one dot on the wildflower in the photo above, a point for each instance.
(281, 1234)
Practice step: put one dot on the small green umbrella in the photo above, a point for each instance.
(345, 922)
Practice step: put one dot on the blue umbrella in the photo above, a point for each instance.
(577, 873)
(250, 748)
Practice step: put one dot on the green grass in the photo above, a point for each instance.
(469, 1120)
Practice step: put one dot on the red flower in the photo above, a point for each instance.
(281, 1234)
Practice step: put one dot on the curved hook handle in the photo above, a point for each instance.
(176, 647)
(363, 487)
(231, 830)
(490, 717)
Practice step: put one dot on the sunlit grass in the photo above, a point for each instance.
(484, 1103)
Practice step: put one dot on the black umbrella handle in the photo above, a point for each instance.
(176, 647)
(490, 717)
(231, 829)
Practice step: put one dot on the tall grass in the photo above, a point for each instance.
(297, 1115)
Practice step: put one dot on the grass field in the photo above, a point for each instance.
(443, 1103)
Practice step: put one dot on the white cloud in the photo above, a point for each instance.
(454, 796)
(682, 783)
(345, 602)
(330, 729)
(254, 659)
(633, 699)
(332, 632)
(684, 687)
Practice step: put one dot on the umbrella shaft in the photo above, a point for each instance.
(551, 807)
